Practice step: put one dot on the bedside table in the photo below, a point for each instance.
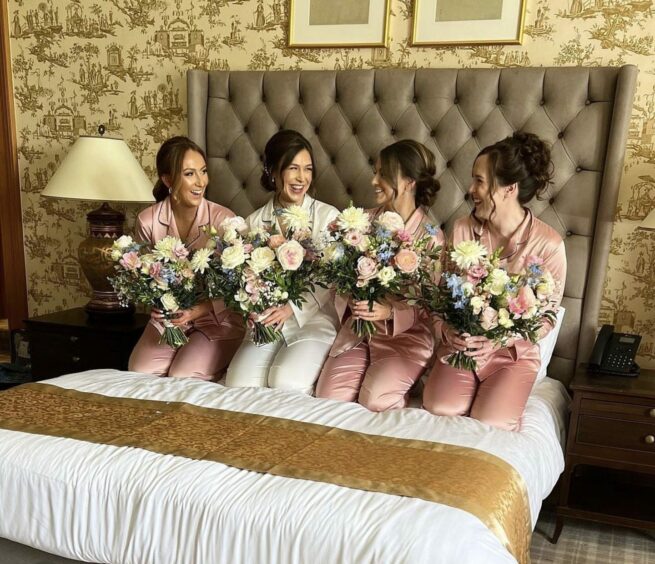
(610, 452)
(70, 341)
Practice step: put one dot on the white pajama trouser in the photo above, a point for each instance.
(278, 365)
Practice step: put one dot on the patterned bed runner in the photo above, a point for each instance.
(461, 477)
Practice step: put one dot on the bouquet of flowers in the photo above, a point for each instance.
(369, 260)
(163, 276)
(479, 297)
(255, 270)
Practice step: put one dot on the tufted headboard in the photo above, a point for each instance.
(348, 116)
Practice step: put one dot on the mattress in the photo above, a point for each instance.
(123, 505)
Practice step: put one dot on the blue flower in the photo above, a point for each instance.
(454, 284)
(431, 229)
(382, 233)
(535, 270)
(459, 304)
(384, 256)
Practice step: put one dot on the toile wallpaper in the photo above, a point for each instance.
(122, 63)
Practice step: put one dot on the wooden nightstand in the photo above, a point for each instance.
(70, 341)
(610, 452)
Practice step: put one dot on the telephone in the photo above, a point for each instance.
(614, 353)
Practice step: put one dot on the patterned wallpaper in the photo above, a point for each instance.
(77, 64)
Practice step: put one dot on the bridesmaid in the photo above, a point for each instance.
(294, 362)
(380, 372)
(182, 211)
(506, 176)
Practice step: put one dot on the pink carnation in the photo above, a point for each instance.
(407, 261)
(403, 236)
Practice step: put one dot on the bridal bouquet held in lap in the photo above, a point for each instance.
(253, 271)
(164, 276)
(374, 259)
(479, 297)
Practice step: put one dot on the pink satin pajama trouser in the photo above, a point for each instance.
(199, 358)
(496, 395)
(379, 386)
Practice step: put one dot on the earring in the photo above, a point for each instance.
(170, 190)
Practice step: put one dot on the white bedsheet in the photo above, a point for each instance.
(120, 505)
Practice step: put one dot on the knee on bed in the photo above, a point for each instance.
(144, 365)
(380, 401)
(444, 406)
(182, 372)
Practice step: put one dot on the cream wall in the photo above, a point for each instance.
(79, 64)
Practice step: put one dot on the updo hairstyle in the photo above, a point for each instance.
(410, 159)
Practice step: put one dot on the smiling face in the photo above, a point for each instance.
(190, 187)
(293, 182)
(384, 192)
(486, 203)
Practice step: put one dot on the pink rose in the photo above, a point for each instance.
(276, 241)
(367, 269)
(489, 319)
(406, 260)
(403, 236)
(290, 255)
(476, 273)
(515, 307)
(353, 238)
(155, 269)
(130, 261)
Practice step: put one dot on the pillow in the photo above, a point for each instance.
(547, 345)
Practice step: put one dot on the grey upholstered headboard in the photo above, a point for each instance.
(350, 115)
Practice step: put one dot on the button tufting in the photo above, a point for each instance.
(316, 130)
(376, 99)
(300, 100)
(542, 102)
(433, 133)
(467, 197)
(578, 169)
(371, 161)
(336, 99)
(245, 129)
(474, 133)
(227, 157)
(497, 101)
(448, 163)
(569, 233)
(264, 98)
(587, 102)
(354, 131)
(261, 158)
(560, 135)
(333, 160)
(280, 128)
(551, 201)
(443, 226)
(393, 131)
(415, 99)
(243, 185)
(349, 190)
(456, 101)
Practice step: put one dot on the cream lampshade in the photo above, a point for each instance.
(100, 169)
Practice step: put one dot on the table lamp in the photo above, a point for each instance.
(101, 169)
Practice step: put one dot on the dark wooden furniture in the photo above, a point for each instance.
(610, 453)
(71, 341)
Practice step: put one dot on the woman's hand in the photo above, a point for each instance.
(454, 338)
(276, 316)
(480, 349)
(188, 316)
(381, 311)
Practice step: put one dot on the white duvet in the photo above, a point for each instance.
(121, 505)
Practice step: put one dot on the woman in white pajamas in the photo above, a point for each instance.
(294, 362)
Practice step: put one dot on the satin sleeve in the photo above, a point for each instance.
(143, 230)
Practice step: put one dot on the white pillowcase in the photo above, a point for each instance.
(547, 345)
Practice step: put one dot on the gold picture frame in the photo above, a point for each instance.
(338, 23)
(468, 22)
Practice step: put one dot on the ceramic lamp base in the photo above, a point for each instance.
(105, 226)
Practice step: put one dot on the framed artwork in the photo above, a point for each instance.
(468, 22)
(338, 23)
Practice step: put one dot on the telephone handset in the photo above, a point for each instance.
(614, 353)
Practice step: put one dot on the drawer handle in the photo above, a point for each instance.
(77, 359)
(649, 439)
(74, 339)
(652, 412)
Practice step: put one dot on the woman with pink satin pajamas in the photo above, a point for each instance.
(506, 176)
(181, 210)
(379, 372)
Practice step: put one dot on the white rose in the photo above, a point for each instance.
(468, 289)
(468, 253)
(169, 303)
(504, 319)
(496, 281)
(353, 218)
(290, 255)
(386, 275)
(333, 252)
(236, 223)
(233, 257)
(261, 259)
(123, 242)
(391, 221)
(230, 235)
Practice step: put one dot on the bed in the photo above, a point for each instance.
(107, 503)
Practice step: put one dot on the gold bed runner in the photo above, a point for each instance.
(461, 477)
